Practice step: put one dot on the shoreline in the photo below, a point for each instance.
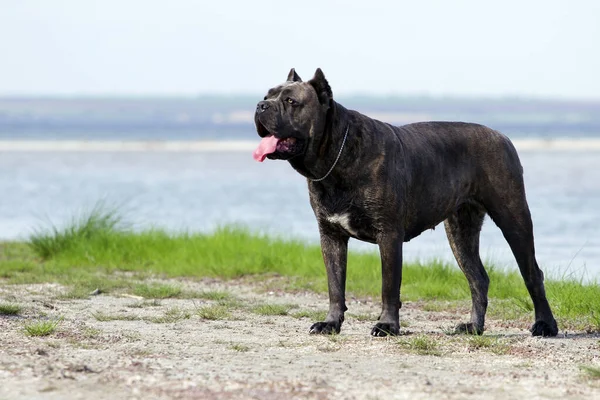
(199, 146)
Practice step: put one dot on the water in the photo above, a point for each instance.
(198, 191)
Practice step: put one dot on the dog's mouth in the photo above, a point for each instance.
(261, 129)
(275, 148)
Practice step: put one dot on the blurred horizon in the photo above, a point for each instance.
(220, 117)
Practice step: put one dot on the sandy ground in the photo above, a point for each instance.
(251, 356)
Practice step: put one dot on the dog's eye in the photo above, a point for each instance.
(290, 100)
(265, 98)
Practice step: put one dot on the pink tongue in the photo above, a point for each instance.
(266, 146)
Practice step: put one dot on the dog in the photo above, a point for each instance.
(387, 184)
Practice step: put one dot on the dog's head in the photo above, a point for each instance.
(291, 115)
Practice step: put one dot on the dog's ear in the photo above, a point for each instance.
(293, 76)
(321, 87)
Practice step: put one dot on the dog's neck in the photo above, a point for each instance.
(322, 154)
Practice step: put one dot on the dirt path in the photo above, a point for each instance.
(143, 354)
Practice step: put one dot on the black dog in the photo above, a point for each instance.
(384, 184)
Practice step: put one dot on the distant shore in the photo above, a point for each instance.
(558, 144)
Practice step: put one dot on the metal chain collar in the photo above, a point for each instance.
(336, 159)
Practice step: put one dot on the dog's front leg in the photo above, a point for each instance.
(335, 254)
(390, 248)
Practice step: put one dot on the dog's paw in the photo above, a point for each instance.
(468, 328)
(324, 328)
(385, 329)
(544, 329)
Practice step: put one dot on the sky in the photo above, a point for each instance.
(183, 47)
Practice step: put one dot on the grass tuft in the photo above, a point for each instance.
(422, 344)
(214, 313)
(102, 317)
(364, 317)
(273, 309)
(173, 314)
(215, 295)
(477, 342)
(156, 291)
(91, 333)
(42, 328)
(239, 347)
(483, 342)
(10, 309)
(100, 223)
(590, 371)
(310, 314)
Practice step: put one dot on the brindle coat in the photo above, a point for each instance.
(392, 183)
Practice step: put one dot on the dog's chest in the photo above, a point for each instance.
(350, 212)
(342, 221)
(354, 224)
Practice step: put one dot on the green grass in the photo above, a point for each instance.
(156, 291)
(216, 295)
(10, 309)
(363, 317)
(97, 224)
(422, 344)
(95, 249)
(485, 342)
(103, 317)
(445, 305)
(91, 333)
(214, 313)
(310, 314)
(591, 372)
(273, 309)
(242, 348)
(41, 328)
(173, 314)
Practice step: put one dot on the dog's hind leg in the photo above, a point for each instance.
(514, 220)
(463, 228)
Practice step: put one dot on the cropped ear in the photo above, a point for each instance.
(293, 76)
(321, 87)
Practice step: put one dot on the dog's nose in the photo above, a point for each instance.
(262, 106)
